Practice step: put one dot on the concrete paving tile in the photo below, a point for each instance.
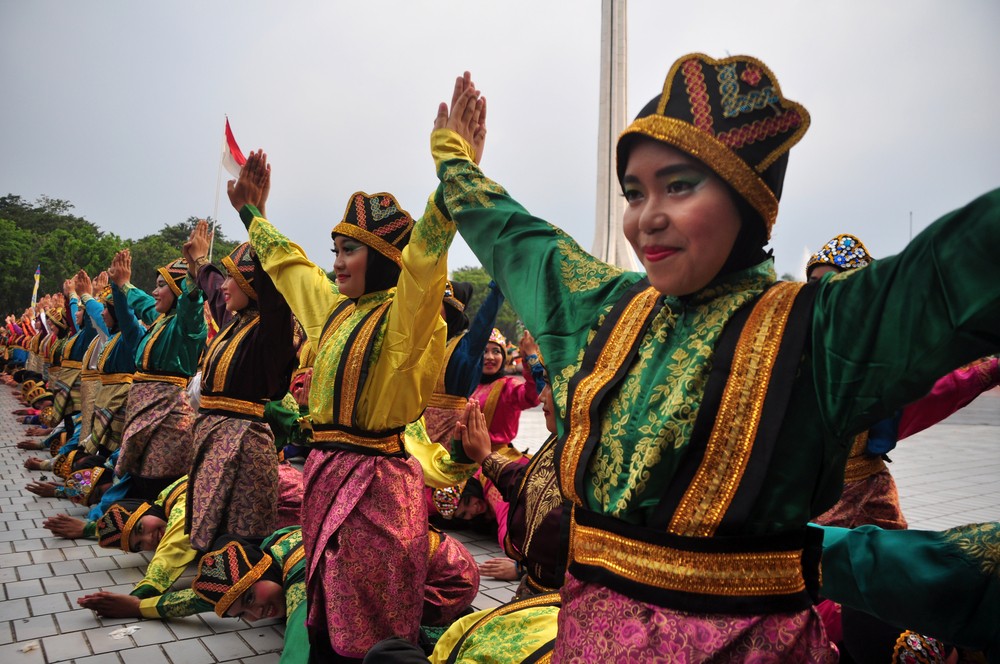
(264, 640)
(125, 560)
(12, 653)
(44, 555)
(190, 651)
(60, 584)
(13, 609)
(34, 571)
(99, 564)
(27, 629)
(65, 646)
(24, 588)
(270, 658)
(221, 625)
(76, 620)
(101, 641)
(8, 574)
(14, 559)
(189, 628)
(94, 579)
(58, 543)
(6, 633)
(78, 549)
(152, 632)
(130, 576)
(144, 655)
(48, 604)
(29, 545)
(108, 658)
(227, 646)
(68, 567)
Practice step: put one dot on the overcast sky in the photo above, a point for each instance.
(118, 107)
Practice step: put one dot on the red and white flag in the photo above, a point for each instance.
(232, 157)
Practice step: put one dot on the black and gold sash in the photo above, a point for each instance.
(691, 555)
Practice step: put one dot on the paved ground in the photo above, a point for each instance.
(947, 476)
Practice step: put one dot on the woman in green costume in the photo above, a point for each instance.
(705, 411)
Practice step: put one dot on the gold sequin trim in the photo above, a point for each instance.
(624, 335)
(115, 378)
(355, 360)
(370, 239)
(728, 452)
(127, 528)
(446, 402)
(863, 467)
(715, 155)
(238, 277)
(158, 326)
(220, 370)
(241, 586)
(387, 445)
(296, 555)
(724, 574)
(332, 327)
(142, 377)
(72, 364)
(209, 402)
(433, 543)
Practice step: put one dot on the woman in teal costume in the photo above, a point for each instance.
(706, 412)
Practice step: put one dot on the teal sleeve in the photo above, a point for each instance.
(142, 303)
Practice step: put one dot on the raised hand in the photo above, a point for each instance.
(69, 288)
(196, 248)
(83, 284)
(253, 185)
(474, 433)
(467, 115)
(528, 346)
(101, 281)
(120, 271)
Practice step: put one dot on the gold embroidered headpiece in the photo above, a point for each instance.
(226, 573)
(449, 296)
(731, 115)
(378, 221)
(37, 393)
(115, 526)
(844, 252)
(82, 482)
(497, 337)
(241, 267)
(58, 317)
(173, 273)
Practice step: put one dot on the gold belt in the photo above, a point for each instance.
(90, 374)
(115, 378)
(392, 444)
(250, 408)
(862, 467)
(737, 574)
(72, 364)
(446, 401)
(142, 377)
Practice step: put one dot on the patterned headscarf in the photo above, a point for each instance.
(241, 267)
(731, 115)
(173, 273)
(225, 573)
(844, 252)
(378, 221)
(114, 528)
(82, 482)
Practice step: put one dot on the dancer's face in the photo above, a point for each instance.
(147, 533)
(818, 271)
(493, 359)
(164, 297)
(264, 599)
(548, 408)
(236, 299)
(680, 217)
(350, 265)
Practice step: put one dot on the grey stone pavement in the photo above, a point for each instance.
(947, 476)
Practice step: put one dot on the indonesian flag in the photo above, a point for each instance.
(38, 275)
(232, 157)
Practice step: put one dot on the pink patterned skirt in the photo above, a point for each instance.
(156, 441)
(597, 624)
(452, 580)
(364, 529)
(233, 483)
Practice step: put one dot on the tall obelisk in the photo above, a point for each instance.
(609, 242)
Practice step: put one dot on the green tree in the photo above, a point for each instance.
(507, 319)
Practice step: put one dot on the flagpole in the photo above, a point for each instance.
(218, 185)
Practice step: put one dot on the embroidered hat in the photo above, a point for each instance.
(731, 115)
(27, 386)
(378, 221)
(58, 317)
(173, 273)
(106, 297)
(497, 337)
(115, 526)
(446, 500)
(844, 252)
(225, 573)
(37, 393)
(241, 267)
(82, 482)
(62, 465)
(451, 298)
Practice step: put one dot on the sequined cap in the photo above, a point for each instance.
(378, 221)
(446, 500)
(729, 114)
(497, 337)
(227, 572)
(844, 252)
(241, 267)
(81, 483)
(173, 273)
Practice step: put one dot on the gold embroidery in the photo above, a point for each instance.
(210, 402)
(115, 378)
(296, 555)
(158, 326)
(622, 337)
(540, 489)
(354, 359)
(580, 271)
(751, 574)
(433, 542)
(221, 370)
(141, 377)
(728, 453)
(106, 351)
(392, 444)
(981, 543)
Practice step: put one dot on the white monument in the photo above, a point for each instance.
(609, 242)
